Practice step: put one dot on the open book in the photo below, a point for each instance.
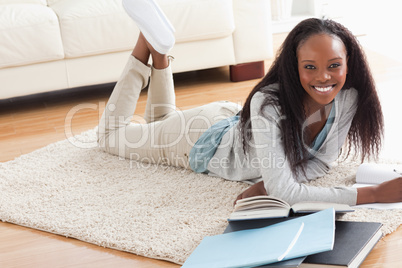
(372, 174)
(264, 206)
(369, 174)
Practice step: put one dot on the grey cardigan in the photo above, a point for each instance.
(267, 161)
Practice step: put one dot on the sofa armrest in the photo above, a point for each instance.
(252, 38)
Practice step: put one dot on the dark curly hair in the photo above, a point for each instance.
(366, 131)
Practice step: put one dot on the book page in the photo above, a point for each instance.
(381, 205)
(260, 201)
(369, 173)
(306, 207)
(252, 204)
(259, 214)
(259, 207)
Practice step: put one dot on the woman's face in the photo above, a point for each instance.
(322, 64)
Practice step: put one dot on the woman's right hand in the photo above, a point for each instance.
(386, 192)
(256, 189)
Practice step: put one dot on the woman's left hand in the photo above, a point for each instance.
(386, 192)
(256, 189)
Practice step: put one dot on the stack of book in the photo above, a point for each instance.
(353, 242)
(251, 247)
(315, 240)
(265, 231)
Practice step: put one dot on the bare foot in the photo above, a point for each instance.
(159, 61)
(141, 51)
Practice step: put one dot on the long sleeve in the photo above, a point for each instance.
(278, 178)
(266, 159)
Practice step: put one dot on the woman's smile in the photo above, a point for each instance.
(324, 89)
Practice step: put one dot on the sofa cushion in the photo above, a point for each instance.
(29, 33)
(94, 27)
(51, 2)
(41, 2)
(196, 20)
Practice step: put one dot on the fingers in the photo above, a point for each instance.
(240, 196)
(256, 189)
(389, 191)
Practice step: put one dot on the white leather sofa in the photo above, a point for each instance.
(60, 44)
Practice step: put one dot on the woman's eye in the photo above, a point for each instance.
(334, 65)
(310, 67)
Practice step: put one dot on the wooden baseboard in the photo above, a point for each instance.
(246, 71)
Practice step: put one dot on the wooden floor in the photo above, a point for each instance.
(32, 122)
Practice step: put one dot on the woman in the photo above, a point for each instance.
(318, 94)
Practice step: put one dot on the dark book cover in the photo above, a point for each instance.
(353, 242)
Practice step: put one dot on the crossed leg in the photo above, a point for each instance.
(116, 133)
(161, 97)
(169, 133)
(143, 50)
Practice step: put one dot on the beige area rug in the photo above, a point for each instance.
(73, 189)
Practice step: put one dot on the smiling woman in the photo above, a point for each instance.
(320, 94)
(291, 129)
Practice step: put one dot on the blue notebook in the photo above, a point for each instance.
(249, 248)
